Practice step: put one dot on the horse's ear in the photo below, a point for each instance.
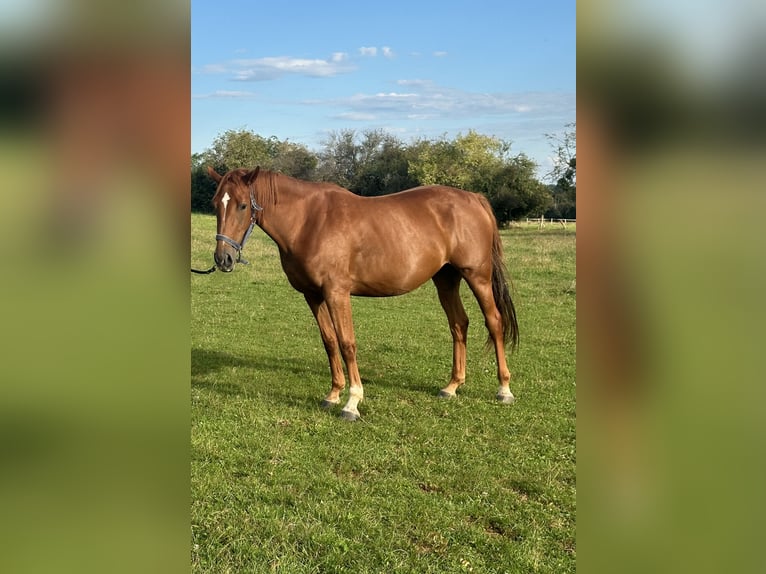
(251, 175)
(214, 174)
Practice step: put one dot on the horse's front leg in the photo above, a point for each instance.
(339, 306)
(330, 341)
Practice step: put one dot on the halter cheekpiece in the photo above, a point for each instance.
(254, 207)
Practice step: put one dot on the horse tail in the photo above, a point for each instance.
(502, 293)
(500, 281)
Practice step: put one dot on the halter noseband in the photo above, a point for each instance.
(254, 207)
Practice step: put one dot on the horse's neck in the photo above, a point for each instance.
(279, 218)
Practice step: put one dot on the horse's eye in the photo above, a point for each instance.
(243, 206)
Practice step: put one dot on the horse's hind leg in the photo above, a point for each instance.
(482, 290)
(330, 341)
(447, 282)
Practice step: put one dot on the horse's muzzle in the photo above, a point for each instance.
(224, 261)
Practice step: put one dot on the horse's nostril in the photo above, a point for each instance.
(223, 260)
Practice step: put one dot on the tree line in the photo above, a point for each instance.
(375, 162)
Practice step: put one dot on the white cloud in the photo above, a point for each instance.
(225, 94)
(394, 95)
(416, 83)
(213, 69)
(357, 117)
(423, 99)
(372, 51)
(271, 68)
(440, 53)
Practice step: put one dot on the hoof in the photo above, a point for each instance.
(446, 394)
(327, 405)
(349, 416)
(505, 399)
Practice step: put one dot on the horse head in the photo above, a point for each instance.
(235, 208)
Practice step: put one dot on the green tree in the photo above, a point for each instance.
(383, 166)
(202, 187)
(202, 191)
(371, 163)
(564, 173)
(338, 160)
(241, 148)
(230, 150)
(483, 164)
(516, 191)
(468, 162)
(436, 163)
(295, 160)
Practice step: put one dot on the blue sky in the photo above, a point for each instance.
(300, 69)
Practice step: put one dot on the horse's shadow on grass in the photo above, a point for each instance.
(205, 363)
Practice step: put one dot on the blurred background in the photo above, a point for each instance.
(671, 277)
(94, 152)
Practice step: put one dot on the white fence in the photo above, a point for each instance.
(543, 221)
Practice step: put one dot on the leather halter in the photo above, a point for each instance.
(254, 207)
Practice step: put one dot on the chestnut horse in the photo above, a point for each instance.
(334, 244)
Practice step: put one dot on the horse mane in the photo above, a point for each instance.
(266, 184)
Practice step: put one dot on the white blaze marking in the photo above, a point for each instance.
(225, 200)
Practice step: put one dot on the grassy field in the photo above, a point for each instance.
(417, 485)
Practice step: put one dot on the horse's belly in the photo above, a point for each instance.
(375, 278)
(367, 269)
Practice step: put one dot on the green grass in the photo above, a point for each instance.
(418, 484)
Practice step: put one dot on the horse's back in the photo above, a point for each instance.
(429, 201)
